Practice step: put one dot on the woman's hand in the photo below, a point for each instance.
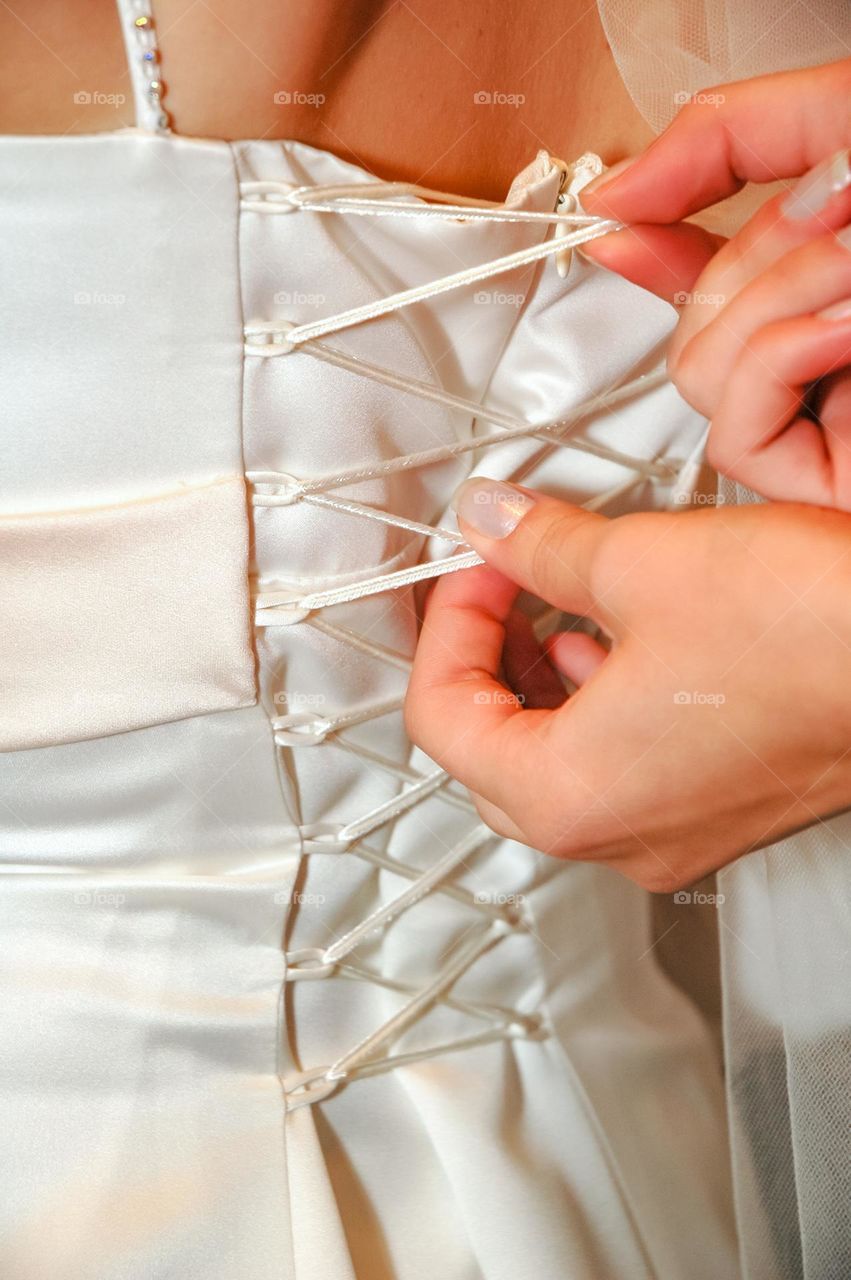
(720, 720)
(763, 346)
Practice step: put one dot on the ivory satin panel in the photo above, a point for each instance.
(119, 617)
(162, 853)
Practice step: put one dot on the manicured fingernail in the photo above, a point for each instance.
(614, 171)
(491, 507)
(837, 311)
(813, 192)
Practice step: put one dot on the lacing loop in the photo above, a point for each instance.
(268, 197)
(307, 1087)
(272, 339)
(280, 608)
(275, 489)
(300, 729)
(379, 199)
(303, 728)
(307, 964)
(324, 837)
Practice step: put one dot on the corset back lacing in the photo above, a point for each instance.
(285, 606)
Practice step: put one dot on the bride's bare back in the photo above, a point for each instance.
(452, 94)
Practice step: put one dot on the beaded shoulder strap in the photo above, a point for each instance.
(143, 62)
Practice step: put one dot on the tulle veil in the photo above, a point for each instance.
(785, 922)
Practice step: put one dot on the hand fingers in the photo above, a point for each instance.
(665, 260)
(556, 778)
(832, 402)
(575, 654)
(759, 130)
(548, 547)
(810, 277)
(456, 709)
(758, 435)
(527, 669)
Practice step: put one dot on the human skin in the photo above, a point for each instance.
(699, 595)
(767, 316)
(718, 721)
(399, 80)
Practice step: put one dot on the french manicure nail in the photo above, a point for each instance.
(491, 507)
(813, 192)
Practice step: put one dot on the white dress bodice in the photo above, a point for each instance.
(274, 1002)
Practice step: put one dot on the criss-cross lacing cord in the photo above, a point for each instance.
(273, 488)
(280, 605)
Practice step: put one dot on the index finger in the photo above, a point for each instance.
(759, 130)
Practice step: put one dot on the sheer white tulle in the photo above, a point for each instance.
(785, 921)
(668, 50)
(787, 911)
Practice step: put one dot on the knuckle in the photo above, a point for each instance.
(546, 553)
(564, 555)
(548, 562)
(760, 349)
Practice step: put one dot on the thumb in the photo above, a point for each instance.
(547, 547)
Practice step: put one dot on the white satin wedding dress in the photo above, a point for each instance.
(275, 1004)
